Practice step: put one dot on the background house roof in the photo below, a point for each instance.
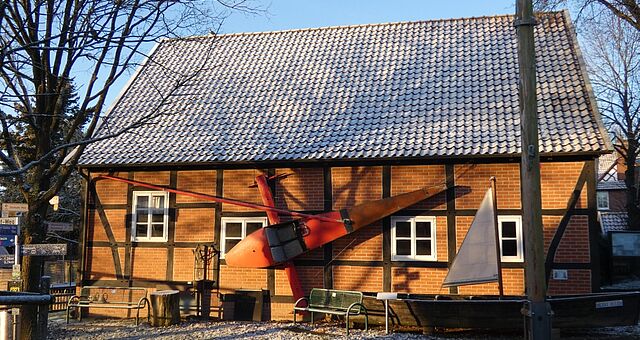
(613, 221)
(612, 185)
(444, 88)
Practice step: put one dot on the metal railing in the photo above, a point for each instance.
(61, 295)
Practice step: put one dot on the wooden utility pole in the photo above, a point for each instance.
(497, 235)
(537, 311)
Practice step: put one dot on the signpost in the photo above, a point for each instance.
(59, 226)
(9, 220)
(14, 209)
(7, 240)
(44, 249)
(7, 260)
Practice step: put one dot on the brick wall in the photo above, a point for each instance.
(557, 182)
(149, 263)
(237, 185)
(203, 182)
(363, 245)
(367, 279)
(578, 282)
(418, 280)
(409, 178)
(476, 178)
(352, 186)
(304, 189)
(195, 225)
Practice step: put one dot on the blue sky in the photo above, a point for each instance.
(293, 14)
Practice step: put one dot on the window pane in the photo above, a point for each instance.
(228, 244)
(141, 230)
(403, 247)
(509, 248)
(158, 202)
(423, 229)
(253, 226)
(403, 229)
(157, 230)
(233, 229)
(423, 247)
(508, 229)
(142, 216)
(158, 216)
(143, 202)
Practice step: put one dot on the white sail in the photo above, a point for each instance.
(476, 261)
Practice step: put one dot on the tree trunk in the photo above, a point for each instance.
(633, 211)
(33, 232)
(165, 305)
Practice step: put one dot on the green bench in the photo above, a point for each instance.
(336, 302)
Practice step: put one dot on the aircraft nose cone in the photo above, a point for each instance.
(252, 252)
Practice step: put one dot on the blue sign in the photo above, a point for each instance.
(7, 240)
(7, 260)
(8, 229)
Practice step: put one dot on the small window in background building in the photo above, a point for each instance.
(602, 198)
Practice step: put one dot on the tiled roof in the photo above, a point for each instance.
(612, 185)
(444, 88)
(613, 221)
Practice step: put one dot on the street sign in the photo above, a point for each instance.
(44, 249)
(59, 226)
(8, 229)
(15, 285)
(9, 220)
(12, 209)
(7, 240)
(7, 260)
(16, 271)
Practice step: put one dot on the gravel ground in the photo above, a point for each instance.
(192, 329)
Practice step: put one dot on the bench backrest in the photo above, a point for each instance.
(334, 299)
(121, 295)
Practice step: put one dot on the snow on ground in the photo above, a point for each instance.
(193, 329)
(630, 283)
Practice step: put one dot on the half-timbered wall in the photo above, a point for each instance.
(360, 261)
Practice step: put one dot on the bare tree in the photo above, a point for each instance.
(45, 45)
(613, 54)
(627, 10)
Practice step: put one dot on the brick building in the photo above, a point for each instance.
(352, 114)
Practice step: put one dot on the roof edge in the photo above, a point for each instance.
(128, 84)
(354, 26)
(457, 159)
(573, 36)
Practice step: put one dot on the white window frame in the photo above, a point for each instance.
(244, 221)
(413, 238)
(165, 219)
(519, 244)
(600, 194)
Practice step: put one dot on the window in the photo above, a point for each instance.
(603, 200)
(151, 216)
(413, 238)
(510, 229)
(234, 229)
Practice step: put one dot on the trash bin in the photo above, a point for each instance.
(248, 305)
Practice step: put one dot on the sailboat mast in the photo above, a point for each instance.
(497, 234)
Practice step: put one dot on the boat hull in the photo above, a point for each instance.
(489, 312)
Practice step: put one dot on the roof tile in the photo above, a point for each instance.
(416, 89)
